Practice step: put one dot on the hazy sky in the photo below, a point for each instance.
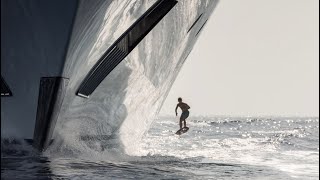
(254, 57)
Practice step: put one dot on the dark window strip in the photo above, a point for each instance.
(124, 45)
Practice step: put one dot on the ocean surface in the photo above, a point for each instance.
(213, 148)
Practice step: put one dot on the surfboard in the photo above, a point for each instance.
(182, 131)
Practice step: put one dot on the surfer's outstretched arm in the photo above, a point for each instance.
(176, 110)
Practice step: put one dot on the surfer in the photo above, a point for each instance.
(185, 112)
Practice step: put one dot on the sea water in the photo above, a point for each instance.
(213, 148)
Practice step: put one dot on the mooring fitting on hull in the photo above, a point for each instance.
(51, 94)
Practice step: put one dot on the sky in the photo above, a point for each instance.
(253, 58)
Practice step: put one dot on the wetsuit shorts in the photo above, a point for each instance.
(184, 115)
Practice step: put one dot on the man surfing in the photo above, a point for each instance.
(185, 112)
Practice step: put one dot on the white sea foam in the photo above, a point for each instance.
(202, 141)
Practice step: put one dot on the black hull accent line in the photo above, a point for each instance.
(51, 93)
(124, 45)
(195, 22)
(5, 91)
(201, 27)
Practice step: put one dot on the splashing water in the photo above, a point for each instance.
(214, 147)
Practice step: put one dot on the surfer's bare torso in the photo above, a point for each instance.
(183, 106)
